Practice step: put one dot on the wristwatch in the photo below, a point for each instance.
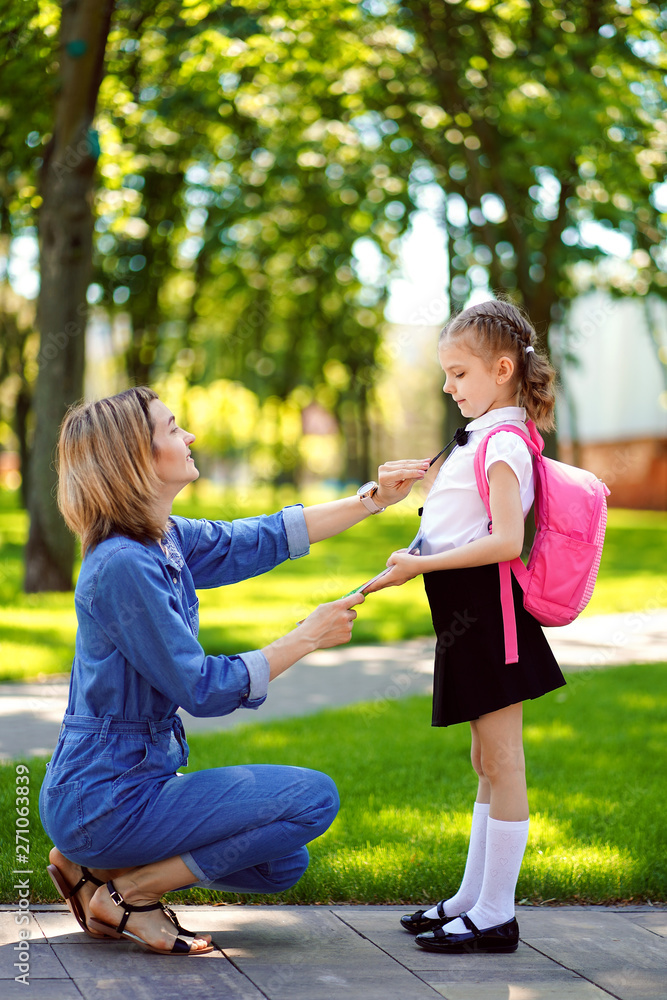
(366, 494)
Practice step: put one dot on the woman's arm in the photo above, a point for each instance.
(135, 610)
(395, 479)
(504, 544)
(329, 625)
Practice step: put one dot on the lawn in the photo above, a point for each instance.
(595, 754)
(37, 630)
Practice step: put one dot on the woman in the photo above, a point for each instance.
(126, 827)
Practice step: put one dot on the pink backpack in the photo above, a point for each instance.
(570, 521)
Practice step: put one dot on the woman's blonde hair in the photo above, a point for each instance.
(497, 328)
(107, 484)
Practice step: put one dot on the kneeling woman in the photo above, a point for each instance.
(126, 827)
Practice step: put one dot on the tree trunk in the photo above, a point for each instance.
(65, 233)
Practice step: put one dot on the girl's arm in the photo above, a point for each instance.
(396, 479)
(504, 544)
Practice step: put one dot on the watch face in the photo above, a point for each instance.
(366, 488)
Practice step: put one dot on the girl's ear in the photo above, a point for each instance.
(504, 369)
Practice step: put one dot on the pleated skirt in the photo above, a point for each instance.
(471, 677)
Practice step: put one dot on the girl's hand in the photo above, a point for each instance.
(396, 479)
(402, 566)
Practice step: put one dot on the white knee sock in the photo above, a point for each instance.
(466, 897)
(505, 846)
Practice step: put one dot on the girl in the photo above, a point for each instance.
(113, 798)
(495, 376)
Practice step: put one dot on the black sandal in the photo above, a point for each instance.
(69, 892)
(179, 947)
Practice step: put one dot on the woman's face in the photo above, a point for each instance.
(173, 462)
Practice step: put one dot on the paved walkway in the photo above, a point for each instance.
(30, 714)
(342, 953)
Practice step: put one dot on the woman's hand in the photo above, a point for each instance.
(331, 624)
(402, 566)
(396, 479)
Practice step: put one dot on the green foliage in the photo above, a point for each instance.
(594, 753)
(247, 148)
(37, 630)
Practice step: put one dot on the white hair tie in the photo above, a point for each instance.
(529, 349)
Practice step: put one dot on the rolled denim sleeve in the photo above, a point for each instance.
(257, 666)
(298, 541)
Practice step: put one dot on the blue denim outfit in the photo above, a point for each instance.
(111, 797)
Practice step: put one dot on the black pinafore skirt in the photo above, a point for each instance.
(471, 677)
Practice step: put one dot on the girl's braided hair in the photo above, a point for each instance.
(493, 329)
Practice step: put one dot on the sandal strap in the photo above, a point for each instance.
(128, 908)
(181, 946)
(441, 909)
(86, 877)
(174, 919)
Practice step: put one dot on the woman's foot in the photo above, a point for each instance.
(154, 928)
(66, 877)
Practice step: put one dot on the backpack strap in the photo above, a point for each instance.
(505, 569)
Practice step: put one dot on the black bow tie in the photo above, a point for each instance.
(460, 438)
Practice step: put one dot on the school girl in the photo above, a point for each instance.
(495, 376)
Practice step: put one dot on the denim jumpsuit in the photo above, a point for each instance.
(112, 797)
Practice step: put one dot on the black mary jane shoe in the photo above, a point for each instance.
(416, 923)
(503, 937)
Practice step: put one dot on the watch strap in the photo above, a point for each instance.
(370, 505)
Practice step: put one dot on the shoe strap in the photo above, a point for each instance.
(86, 877)
(181, 946)
(469, 924)
(128, 908)
(174, 919)
(441, 910)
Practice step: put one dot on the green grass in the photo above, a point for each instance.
(595, 754)
(37, 630)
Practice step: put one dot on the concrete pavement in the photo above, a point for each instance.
(30, 714)
(342, 953)
(332, 952)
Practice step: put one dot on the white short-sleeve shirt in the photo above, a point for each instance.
(454, 512)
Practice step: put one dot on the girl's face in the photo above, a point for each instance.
(173, 462)
(472, 383)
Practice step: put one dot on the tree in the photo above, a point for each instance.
(65, 234)
(239, 169)
(26, 47)
(535, 119)
(249, 152)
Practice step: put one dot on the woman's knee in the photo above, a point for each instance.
(325, 801)
(286, 872)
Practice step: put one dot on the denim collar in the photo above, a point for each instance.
(171, 549)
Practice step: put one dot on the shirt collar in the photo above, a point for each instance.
(499, 416)
(171, 549)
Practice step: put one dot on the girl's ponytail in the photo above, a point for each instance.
(495, 328)
(536, 389)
